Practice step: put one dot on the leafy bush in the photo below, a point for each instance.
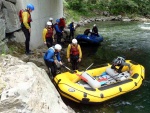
(113, 6)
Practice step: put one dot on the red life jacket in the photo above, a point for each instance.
(20, 16)
(74, 50)
(62, 22)
(49, 33)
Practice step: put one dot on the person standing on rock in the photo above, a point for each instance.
(52, 58)
(48, 35)
(74, 54)
(62, 23)
(58, 31)
(26, 26)
(72, 29)
(51, 20)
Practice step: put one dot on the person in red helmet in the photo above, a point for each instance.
(25, 19)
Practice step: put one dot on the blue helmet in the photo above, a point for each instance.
(30, 6)
(58, 20)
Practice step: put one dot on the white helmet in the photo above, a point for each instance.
(50, 18)
(58, 47)
(74, 41)
(49, 23)
(94, 25)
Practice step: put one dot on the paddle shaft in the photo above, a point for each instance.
(88, 67)
(67, 67)
(113, 77)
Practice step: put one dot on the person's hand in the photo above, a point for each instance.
(45, 43)
(79, 60)
(60, 63)
(53, 40)
(116, 70)
(130, 72)
(55, 61)
(30, 30)
(68, 59)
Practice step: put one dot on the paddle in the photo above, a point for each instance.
(78, 74)
(69, 69)
(75, 72)
(83, 72)
(88, 67)
(113, 77)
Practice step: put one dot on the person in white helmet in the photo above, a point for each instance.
(74, 54)
(52, 58)
(95, 30)
(120, 62)
(48, 34)
(51, 20)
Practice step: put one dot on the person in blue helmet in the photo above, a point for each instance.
(52, 58)
(120, 61)
(25, 19)
(58, 31)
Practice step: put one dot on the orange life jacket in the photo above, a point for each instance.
(20, 16)
(74, 50)
(49, 33)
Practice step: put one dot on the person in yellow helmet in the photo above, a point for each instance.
(48, 34)
(74, 54)
(26, 26)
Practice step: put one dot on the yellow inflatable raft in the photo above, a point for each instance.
(100, 84)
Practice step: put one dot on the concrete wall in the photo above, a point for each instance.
(43, 10)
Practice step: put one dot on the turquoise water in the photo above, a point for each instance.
(120, 39)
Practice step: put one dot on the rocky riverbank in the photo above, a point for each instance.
(85, 20)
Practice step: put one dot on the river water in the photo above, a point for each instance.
(120, 39)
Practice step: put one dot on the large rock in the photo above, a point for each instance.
(19, 36)
(1, 4)
(1, 13)
(13, 1)
(2, 29)
(11, 17)
(27, 89)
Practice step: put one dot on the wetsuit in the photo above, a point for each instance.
(49, 58)
(74, 53)
(25, 25)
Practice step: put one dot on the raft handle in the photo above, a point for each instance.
(101, 95)
(58, 81)
(135, 83)
(120, 89)
(85, 94)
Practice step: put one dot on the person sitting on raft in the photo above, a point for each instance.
(120, 61)
(87, 31)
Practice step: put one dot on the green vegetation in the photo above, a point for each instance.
(114, 7)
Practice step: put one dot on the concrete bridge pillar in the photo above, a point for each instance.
(43, 10)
